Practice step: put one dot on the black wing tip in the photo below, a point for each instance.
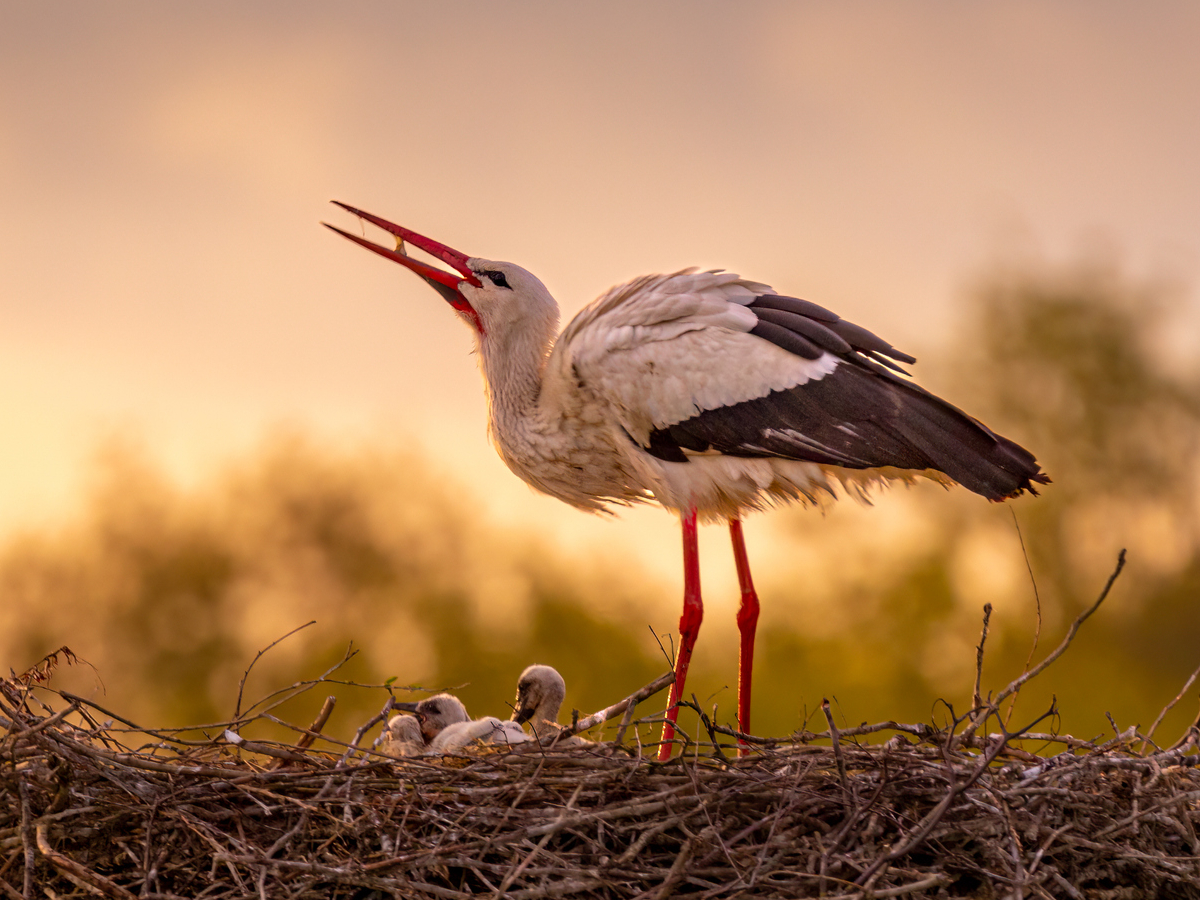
(1025, 486)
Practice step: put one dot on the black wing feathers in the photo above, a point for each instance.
(767, 306)
(805, 308)
(789, 340)
(820, 335)
(859, 416)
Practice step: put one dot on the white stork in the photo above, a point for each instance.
(704, 392)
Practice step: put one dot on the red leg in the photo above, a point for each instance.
(747, 619)
(689, 627)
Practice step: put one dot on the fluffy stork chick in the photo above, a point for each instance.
(435, 714)
(540, 694)
(447, 727)
(488, 730)
(402, 737)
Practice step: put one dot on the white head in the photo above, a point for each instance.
(510, 303)
(404, 728)
(401, 737)
(434, 713)
(540, 694)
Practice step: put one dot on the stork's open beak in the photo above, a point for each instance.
(445, 283)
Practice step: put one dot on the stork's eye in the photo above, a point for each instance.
(498, 279)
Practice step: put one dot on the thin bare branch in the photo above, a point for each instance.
(1037, 600)
(976, 699)
(611, 712)
(1166, 709)
(237, 709)
(1066, 642)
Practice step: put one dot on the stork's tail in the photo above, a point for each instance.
(966, 449)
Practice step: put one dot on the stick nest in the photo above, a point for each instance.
(968, 808)
(927, 813)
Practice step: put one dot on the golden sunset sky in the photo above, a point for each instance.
(166, 281)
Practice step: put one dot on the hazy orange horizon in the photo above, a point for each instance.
(167, 281)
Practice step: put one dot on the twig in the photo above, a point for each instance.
(365, 727)
(626, 719)
(27, 839)
(314, 730)
(1113, 724)
(708, 724)
(678, 867)
(237, 710)
(134, 761)
(1184, 799)
(1166, 709)
(616, 709)
(837, 749)
(1066, 642)
(42, 725)
(267, 750)
(976, 698)
(300, 687)
(924, 884)
(926, 825)
(668, 655)
(283, 695)
(42, 671)
(318, 723)
(541, 845)
(80, 874)
(1037, 599)
(1189, 738)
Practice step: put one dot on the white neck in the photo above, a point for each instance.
(512, 371)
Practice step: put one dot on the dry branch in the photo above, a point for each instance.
(611, 712)
(980, 714)
(1166, 709)
(1066, 641)
(79, 874)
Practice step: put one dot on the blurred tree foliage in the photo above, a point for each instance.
(1071, 364)
(1084, 373)
(171, 593)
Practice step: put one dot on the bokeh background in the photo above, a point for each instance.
(220, 421)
